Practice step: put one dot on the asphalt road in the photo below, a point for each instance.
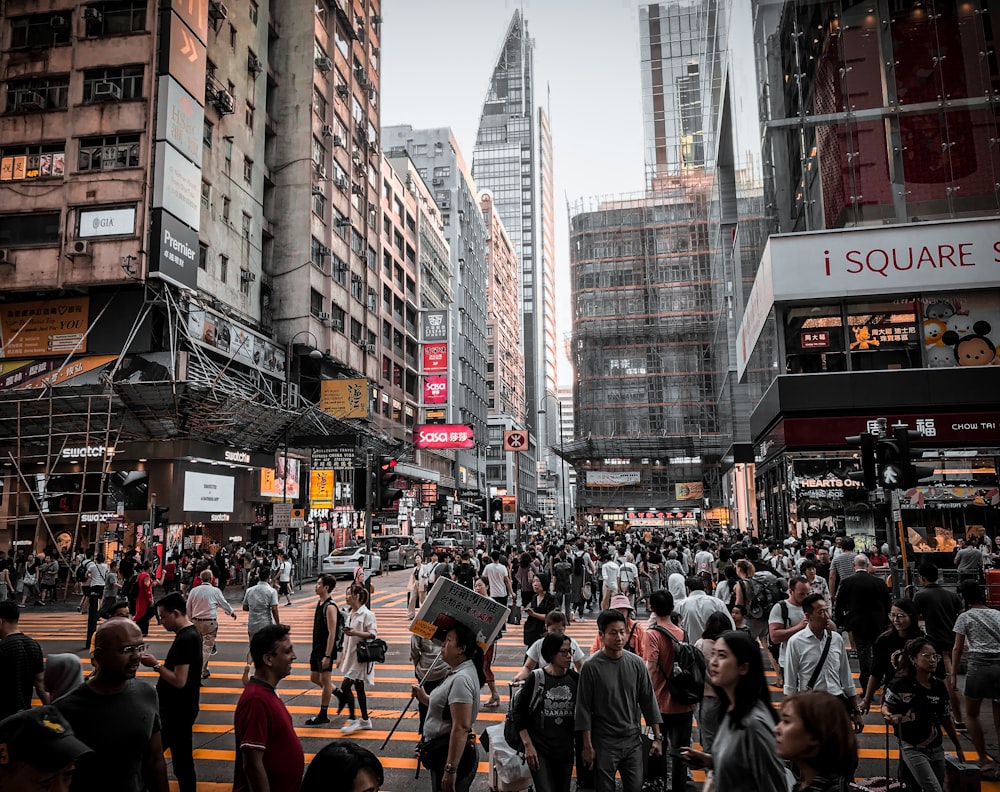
(60, 628)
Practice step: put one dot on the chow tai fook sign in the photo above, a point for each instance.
(443, 436)
(863, 262)
(435, 358)
(436, 389)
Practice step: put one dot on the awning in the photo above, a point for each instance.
(412, 471)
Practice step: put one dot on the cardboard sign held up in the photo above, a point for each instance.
(448, 603)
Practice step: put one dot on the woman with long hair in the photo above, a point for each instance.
(538, 607)
(144, 610)
(977, 631)
(344, 766)
(448, 744)
(360, 625)
(815, 735)
(482, 587)
(916, 706)
(903, 627)
(744, 756)
(709, 709)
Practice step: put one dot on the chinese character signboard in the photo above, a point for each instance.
(443, 436)
(52, 327)
(435, 358)
(434, 325)
(815, 339)
(344, 398)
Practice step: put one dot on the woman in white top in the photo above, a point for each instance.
(360, 626)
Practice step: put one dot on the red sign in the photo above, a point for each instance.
(436, 389)
(515, 440)
(938, 428)
(435, 357)
(443, 436)
(815, 339)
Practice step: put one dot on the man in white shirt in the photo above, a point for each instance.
(816, 658)
(498, 578)
(628, 577)
(203, 605)
(284, 575)
(609, 577)
(786, 619)
(695, 609)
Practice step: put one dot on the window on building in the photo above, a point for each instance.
(232, 36)
(245, 280)
(357, 288)
(111, 152)
(319, 153)
(248, 170)
(883, 335)
(223, 268)
(38, 93)
(41, 30)
(341, 223)
(253, 13)
(206, 133)
(318, 252)
(117, 17)
(206, 194)
(320, 104)
(202, 256)
(814, 340)
(113, 82)
(315, 302)
(338, 269)
(338, 315)
(32, 161)
(355, 330)
(248, 116)
(246, 225)
(319, 205)
(226, 203)
(37, 228)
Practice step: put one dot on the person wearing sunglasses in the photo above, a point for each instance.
(116, 716)
(916, 706)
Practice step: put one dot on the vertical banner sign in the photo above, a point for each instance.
(436, 389)
(434, 325)
(180, 116)
(436, 358)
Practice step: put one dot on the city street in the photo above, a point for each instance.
(62, 629)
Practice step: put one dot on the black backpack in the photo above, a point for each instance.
(511, 735)
(578, 566)
(338, 635)
(83, 571)
(686, 680)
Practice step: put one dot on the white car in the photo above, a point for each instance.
(344, 560)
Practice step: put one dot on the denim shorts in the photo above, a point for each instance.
(982, 680)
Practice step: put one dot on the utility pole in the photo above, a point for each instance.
(369, 497)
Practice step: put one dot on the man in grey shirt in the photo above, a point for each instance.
(969, 561)
(614, 695)
(261, 602)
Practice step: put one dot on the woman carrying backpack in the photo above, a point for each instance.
(545, 719)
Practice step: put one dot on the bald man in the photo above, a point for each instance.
(116, 716)
(862, 608)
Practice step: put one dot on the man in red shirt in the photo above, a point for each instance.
(269, 753)
(659, 654)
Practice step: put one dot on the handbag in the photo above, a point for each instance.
(372, 650)
(434, 754)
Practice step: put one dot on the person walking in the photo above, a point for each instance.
(21, 663)
(416, 589)
(144, 610)
(538, 608)
(48, 572)
(815, 736)
(661, 640)
(269, 755)
(785, 620)
(324, 646)
(498, 577)
(448, 742)
(862, 609)
(710, 710)
(842, 566)
(916, 706)
(283, 576)
(116, 716)
(178, 687)
(360, 626)
(977, 632)
(203, 604)
(939, 608)
(744, 755)
(548, 731)
(614, 696)
(903, 627)
(816, 659)
(697, 606)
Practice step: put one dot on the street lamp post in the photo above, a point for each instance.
(562, 448)
(314, 354)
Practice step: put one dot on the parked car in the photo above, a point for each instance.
(464, 538)
(344, 560)
(401, 549)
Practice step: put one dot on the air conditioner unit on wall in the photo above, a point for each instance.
(325, 65)
(323, 316)
(79, 248)
(370, 349)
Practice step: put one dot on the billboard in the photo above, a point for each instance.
(321, 486)
(436, 389)
(205, 492)
(607, 478)
(45, 327)
(344, 398)
(223, 335)
(443, 436)
(177, 186)
(275, 484)
(434, 325)
(175, 251)
(435, 358)
(180, 120)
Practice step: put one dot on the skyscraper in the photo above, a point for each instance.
(512, 158)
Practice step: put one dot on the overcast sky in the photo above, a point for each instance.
(437, 59)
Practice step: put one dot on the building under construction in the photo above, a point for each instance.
(648, 437)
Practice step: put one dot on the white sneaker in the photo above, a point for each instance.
(350, 727)
(365, 724)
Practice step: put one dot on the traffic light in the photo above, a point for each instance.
(896, 471)
(385, 478)
(868, 474)
(360, 490)
(496, 509)
(160, 516)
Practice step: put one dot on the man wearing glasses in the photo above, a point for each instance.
(116, 716)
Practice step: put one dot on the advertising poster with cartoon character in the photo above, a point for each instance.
(961, 330)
